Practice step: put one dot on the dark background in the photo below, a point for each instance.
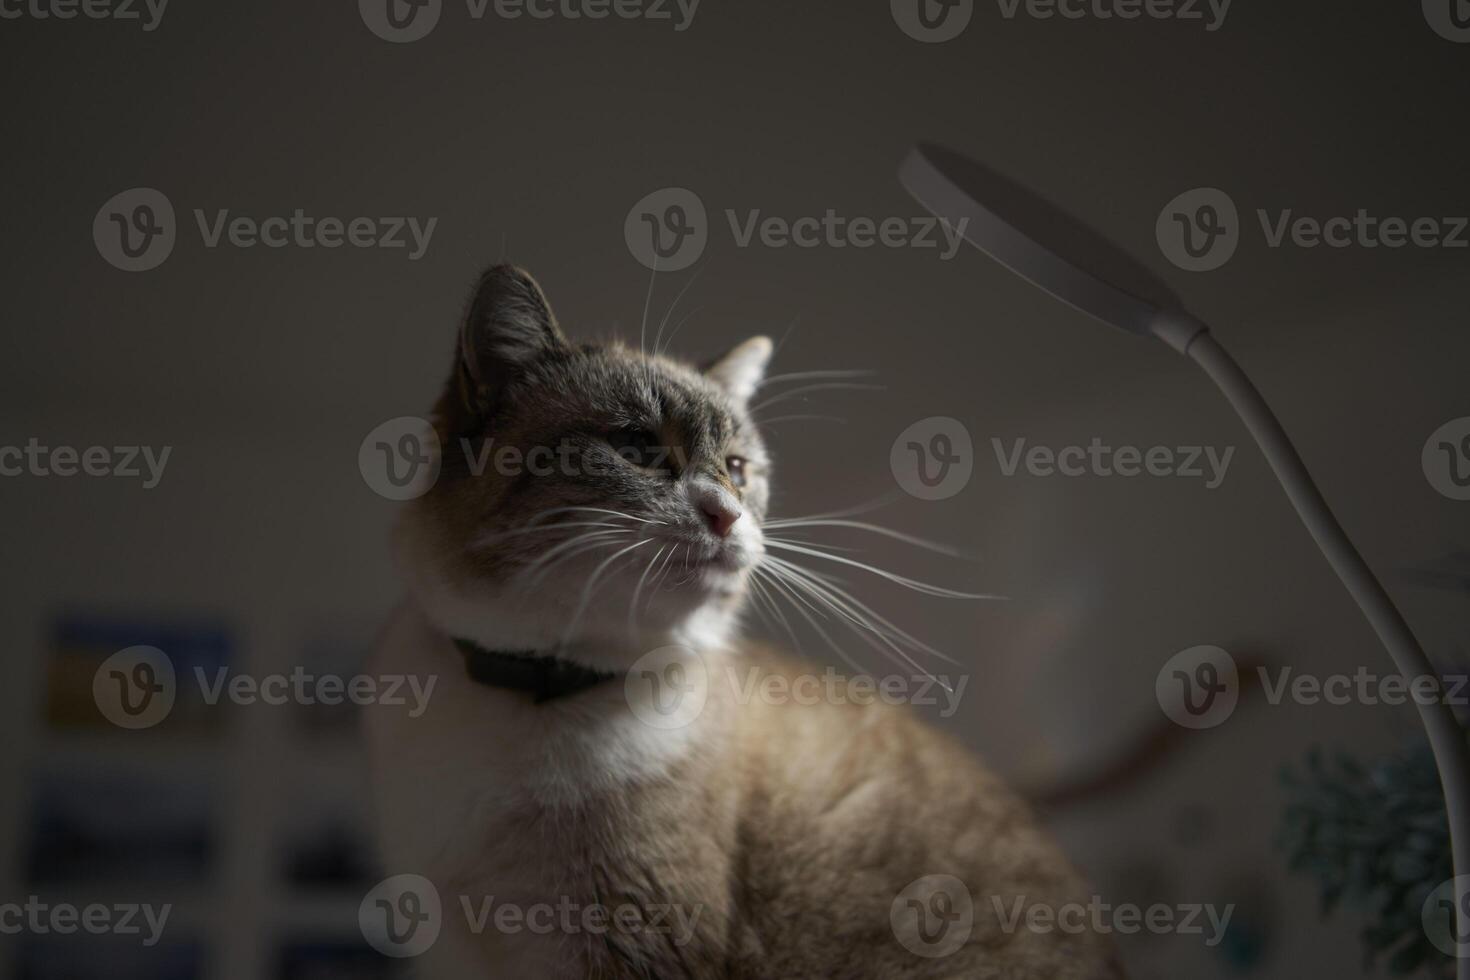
(531, 140)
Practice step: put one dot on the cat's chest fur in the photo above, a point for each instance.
(503, 802)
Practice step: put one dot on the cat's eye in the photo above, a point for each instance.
(637, 446)
(735, 466)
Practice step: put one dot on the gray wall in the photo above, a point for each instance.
(531, 140)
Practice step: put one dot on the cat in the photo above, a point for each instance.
(596, 507)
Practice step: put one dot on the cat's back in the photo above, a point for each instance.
(876, 846)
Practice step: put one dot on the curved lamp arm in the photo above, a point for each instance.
(1446, 737)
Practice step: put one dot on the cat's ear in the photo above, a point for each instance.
(508, 328)
(740, 371)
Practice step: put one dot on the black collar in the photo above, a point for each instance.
(542, 676)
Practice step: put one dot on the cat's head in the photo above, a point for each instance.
(588, 494)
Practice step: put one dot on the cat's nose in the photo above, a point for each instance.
(719, 507)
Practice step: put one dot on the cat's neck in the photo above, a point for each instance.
(558, 753)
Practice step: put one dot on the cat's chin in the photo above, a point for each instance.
(721, 583)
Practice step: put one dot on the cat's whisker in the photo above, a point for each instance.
(658, 337)
(529, 586)
(594, 510)
(782, 585)
(917, 542)
(678, 326)
(885, 641)
(835, 549)
(807, 389)
(592, 579)
(570, 544)
(761, 602)
(582, 538)
(815, 375)
(786, 334)
(647, 303)
(638, 590)
(865, 631)
(485, 541)
(903, 580)
(829, 593)
(778, 590)
(662, 573)
(890, 651)
(804, 418)
(784, 579)
(545, 562)
(757, 583)
(856, 610)
(832, 591)
(877, 503)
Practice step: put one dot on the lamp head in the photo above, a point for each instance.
(1037, 240)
